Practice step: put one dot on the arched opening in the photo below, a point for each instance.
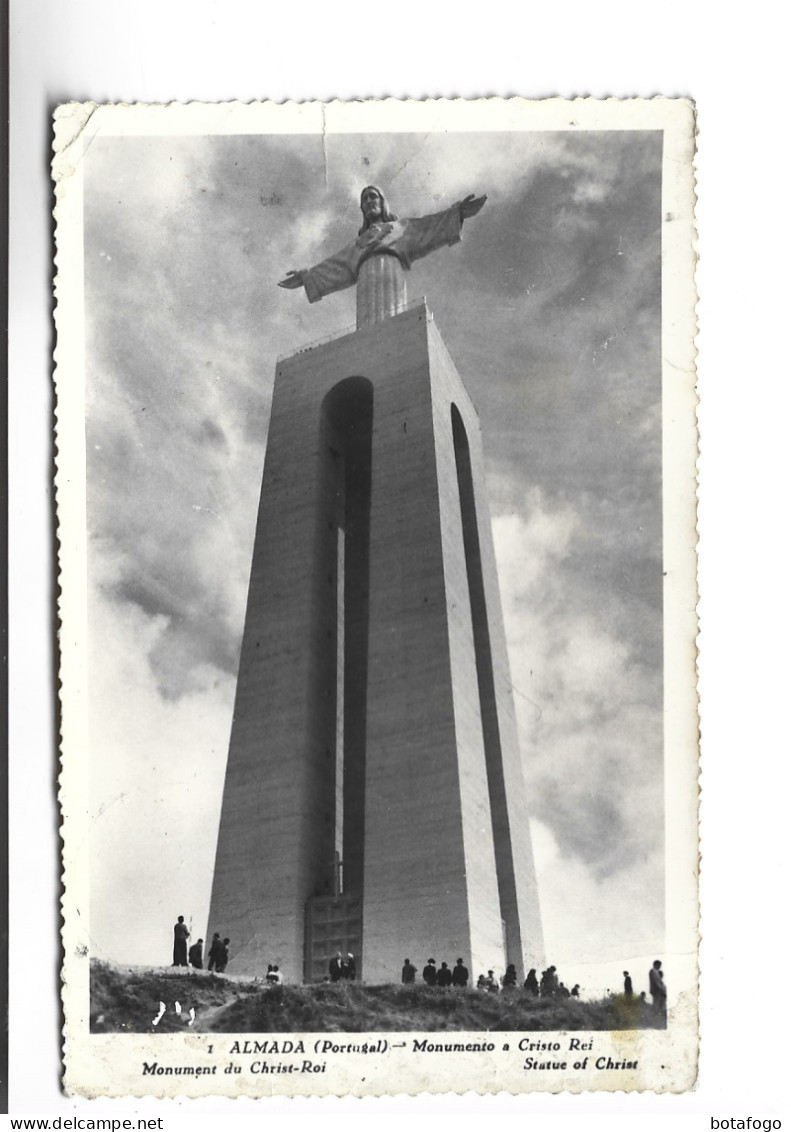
(487, 696)
(333, 915)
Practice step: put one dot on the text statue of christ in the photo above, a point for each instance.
(385, 247)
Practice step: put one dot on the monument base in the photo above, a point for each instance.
(333, 925)
(373, 714)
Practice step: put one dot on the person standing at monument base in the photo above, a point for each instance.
(223, 955)
(215, 951)
(444, 975)
(490, 982)
(408, 972)
(657, 988)
(460, 974)
(181, 934)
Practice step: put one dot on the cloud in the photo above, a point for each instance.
(527, 545)
(156, 769)
(588, 710)
(617, 916)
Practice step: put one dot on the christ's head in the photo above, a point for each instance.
(374, 207)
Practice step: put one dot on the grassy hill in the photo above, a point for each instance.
(128, 1000)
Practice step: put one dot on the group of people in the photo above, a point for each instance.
(182, 957)
(342, 967)
(434, 976)
(549, 986)
(489, 983)
(459, 976)
(219, 953)
(656, 987)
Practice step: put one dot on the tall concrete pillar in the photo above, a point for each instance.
(374, 719)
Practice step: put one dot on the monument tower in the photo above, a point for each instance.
(374, 798)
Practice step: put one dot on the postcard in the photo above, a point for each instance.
(376, 447)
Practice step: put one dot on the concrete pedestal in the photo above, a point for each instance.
(374, 717)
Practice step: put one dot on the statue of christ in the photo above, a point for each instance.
(385, 247)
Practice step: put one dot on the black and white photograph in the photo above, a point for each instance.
(376, 509)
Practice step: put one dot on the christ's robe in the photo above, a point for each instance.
(407, 240)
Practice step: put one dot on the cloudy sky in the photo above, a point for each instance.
(550, 308)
